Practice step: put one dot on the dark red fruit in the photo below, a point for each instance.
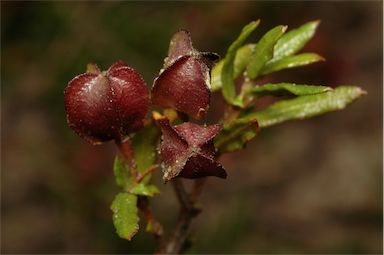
(187, 150)
(184, 81)
(106, 105)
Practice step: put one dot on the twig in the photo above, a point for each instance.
(155, 227)
(178, 240)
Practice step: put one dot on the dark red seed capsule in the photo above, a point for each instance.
(184, 83)
(187, 151)
(106, 105)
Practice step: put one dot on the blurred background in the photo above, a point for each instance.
(312, 186)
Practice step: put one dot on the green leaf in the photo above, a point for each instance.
(227, 72)
(284, 88)
(291, 62)
(264, 51)
(120, 170)
(304, 106)
(216, 83)
(144, 146)
(241, 61)
(294, 40)
(125, 215)
(144, 190)
(235, 136)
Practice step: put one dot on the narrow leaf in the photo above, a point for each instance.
(144, 146)
(235, 136)
(264, 51)
(286, 88)
(304, 106)
(291, 62)
(242, 59)
(216, 83)
(125, 215)
(121, 172)
(227, 73)
(243, 55)
(294, 40)
(144, 190)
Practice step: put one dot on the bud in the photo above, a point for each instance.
(184, 81)
(106, 105)
(187, 150)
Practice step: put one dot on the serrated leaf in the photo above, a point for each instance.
(291, 62)
(294, 40)
(264, 51)
(286, 88)
(304, 106)
(125, 215)
(227, 72)
(235, 136)
(243, 55)
(144, 190)
(122, 176)
(144, 146)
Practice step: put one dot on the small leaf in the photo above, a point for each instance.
(154, 227)
(243, 56)
(241, 61)
(120, 170)
(291, 62)
(125, 215)
(304, 106)
(264, 51)
(144, 147)
(294, 40)
(235, 136)
(227, 73)
(283, 88)
(216, 83)
(144, 190)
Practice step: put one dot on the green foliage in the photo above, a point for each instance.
(125, 215)
(227, 72)
(284, 88)
(304, 106)
(134, 183)
(121, 172)
(234, 136)
(291, 62)
(144, 190)
(264, 51)
(294, 40)
(144, 147)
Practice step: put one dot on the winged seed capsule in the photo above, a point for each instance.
(184, 81)
(107, 105)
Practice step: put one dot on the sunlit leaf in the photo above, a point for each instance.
(125, 215)
(122, 176)
(227, 72)
(144, 190)
(304, 106)
(216, 76)
(294, 40)
(264, 51)
(291, 62)
(235, 136)
(286, 88)
(243, 55)
(144, 146)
